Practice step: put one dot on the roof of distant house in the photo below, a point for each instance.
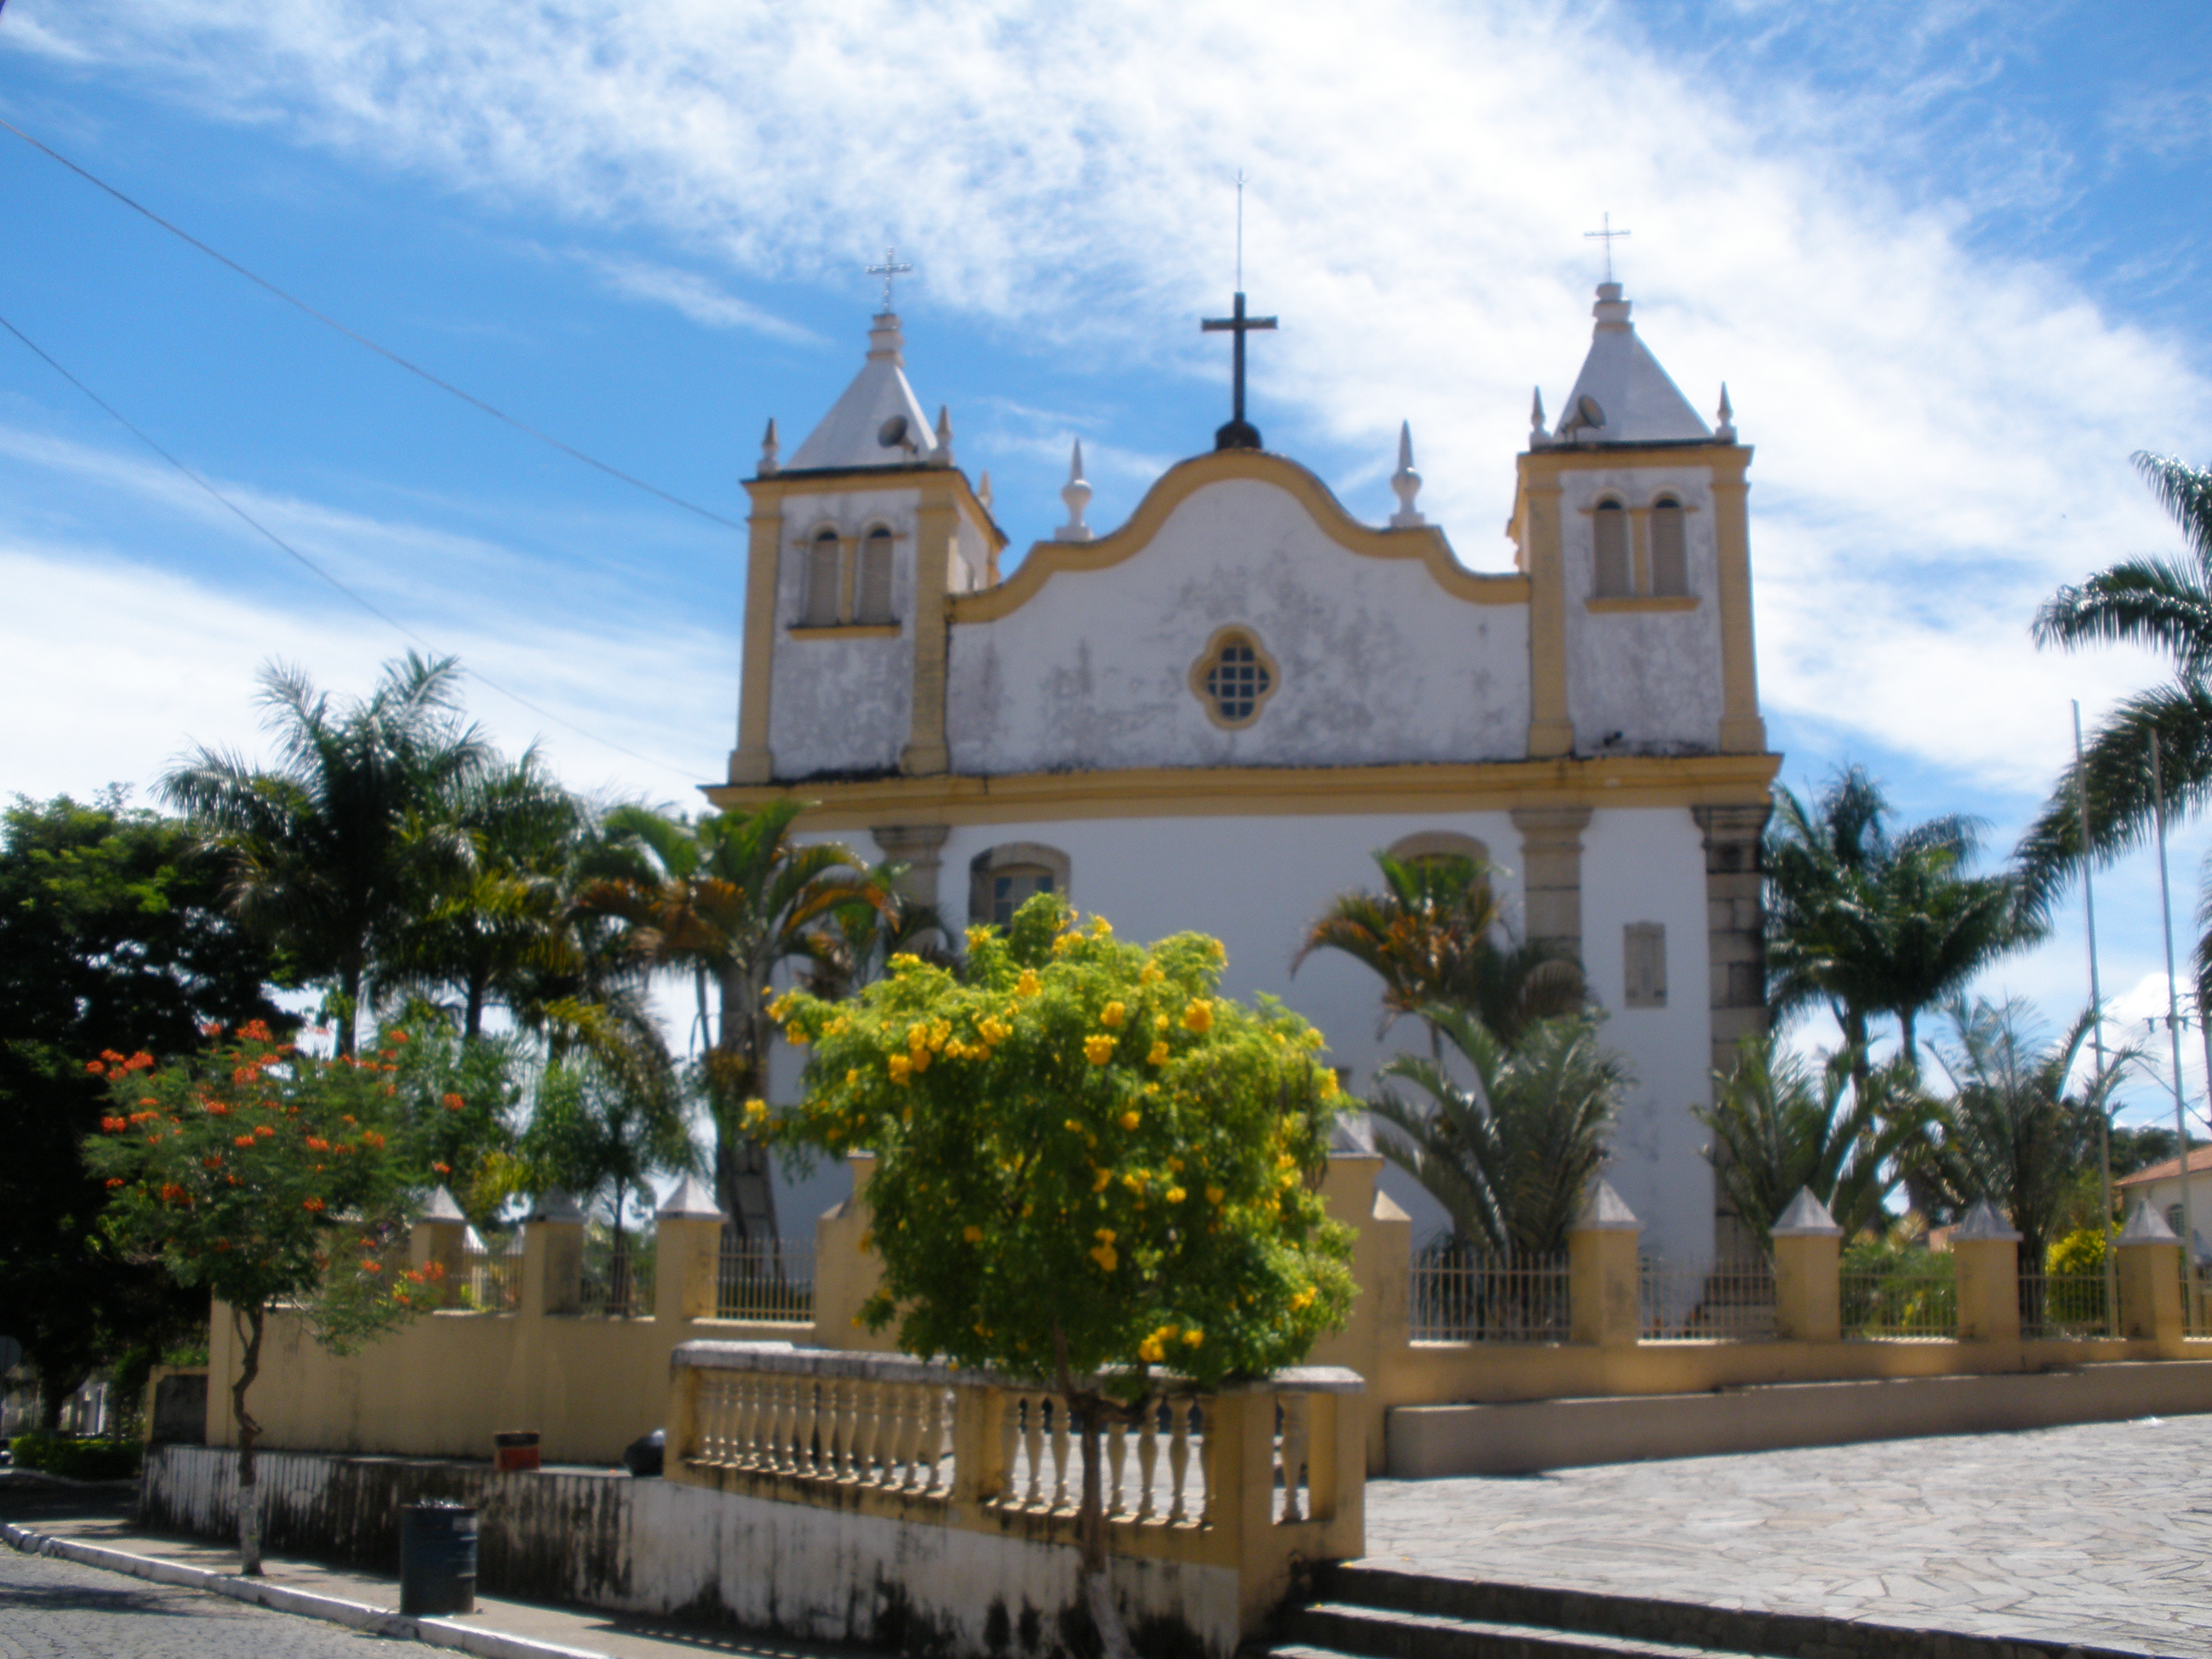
(2200, 1163)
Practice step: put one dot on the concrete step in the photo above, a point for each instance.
(1344, 1629)
(1391, 1614)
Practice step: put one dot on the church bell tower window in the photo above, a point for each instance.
(1609, 528)
(875, 586)
(823, 574)
(1670, 559)
(1234, 678)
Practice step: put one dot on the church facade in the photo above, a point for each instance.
(1210, 716)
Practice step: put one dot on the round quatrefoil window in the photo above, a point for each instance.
(1235, 678)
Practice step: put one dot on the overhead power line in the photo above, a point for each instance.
(360, 339)
(264, 530)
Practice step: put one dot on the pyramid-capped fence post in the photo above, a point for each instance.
(1808, 1283)
(2149, 1262)
(437, 1239)
(552, 1256)
(846, 1274)
(1604, 1286)
(1987, 1252)
(687, 1253)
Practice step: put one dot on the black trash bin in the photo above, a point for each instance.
(437, 1559)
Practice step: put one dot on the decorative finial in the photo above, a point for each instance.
(768, 463)
(1726, 431)
(983, 489)
(891, 269)
(1405, 481)
(942, 455)
(1538, 434)
(1076, 492)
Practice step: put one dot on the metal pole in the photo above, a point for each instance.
(2173, 1028)
(2097, 1041)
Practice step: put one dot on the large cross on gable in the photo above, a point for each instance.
(1239, 434)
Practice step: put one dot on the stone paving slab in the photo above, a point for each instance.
(2099, 1533)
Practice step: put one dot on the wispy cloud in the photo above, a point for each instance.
(1942, 435)
(703, 301)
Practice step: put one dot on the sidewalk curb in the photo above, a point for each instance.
(355, 1615)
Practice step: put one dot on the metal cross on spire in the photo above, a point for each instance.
(1607, 235)
(1239, 434)
(891, 269)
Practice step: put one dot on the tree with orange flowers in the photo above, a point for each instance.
(1093, 1171)
(271, 1177)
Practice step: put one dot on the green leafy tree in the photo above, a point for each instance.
(267, 1176)
(1437, 933)
(727, 901)
(1781, 1123)
(340, 845)
(113, 934)
(1093, 1170)
(600, 1133)
(2012, 1132)
(1509, 1156)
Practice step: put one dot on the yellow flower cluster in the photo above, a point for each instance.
(1304, 1299)
(1154, 1348)
(993, 1031)
(1112, 1015)
(973, 1235)
(1158, 1056)
(1103, 1253)
(902, 960)
(1131, 1118)
(1098, 1050)
(1198, 1016)
(756, 1112)
(1028, 985)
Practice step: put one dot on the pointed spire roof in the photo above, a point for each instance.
(2146, 1226)
(692, 1200)
(852, 433)
(1807, 1217)
(1604, 1210)
(441, 1208)
(1622, 395)
(1983, 1222)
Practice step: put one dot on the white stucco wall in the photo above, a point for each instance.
(841, 705)
(1653, 676)
(1377, 663)
(1649, 866)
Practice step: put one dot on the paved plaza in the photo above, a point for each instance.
(2098, 1535)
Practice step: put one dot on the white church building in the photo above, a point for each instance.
(1210, 716)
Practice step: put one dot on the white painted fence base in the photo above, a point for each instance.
(663, 1550)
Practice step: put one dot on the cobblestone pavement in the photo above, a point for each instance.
(2099, 1533)
(52, 1609)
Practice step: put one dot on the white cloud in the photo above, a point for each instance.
(686, 291)
(1941, 438)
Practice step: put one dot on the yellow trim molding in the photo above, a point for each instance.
(1046, 560)
(1609, 781)
(1642, 602)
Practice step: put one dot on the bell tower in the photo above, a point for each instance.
(855, 546)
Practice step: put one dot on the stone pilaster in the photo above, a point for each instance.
(1552, 872)
(920, 847)
(1735, 949)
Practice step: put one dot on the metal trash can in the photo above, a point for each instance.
(437, 1559)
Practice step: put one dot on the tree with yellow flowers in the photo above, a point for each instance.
(1094, 1171)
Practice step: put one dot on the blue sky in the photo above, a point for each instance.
(1949, 258)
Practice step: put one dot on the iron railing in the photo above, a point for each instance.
(768, 1279)
(1459, 1294)
(1910, 1298)
(1731, 1300)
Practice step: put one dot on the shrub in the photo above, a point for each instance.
(77, 1460)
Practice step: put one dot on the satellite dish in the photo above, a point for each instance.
(1588, 413)
(892, 433)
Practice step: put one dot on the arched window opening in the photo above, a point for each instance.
(1670, 558)
(1005, 878)
(1610, 528)
(1234, 678)
(824, 575)
(874, 586)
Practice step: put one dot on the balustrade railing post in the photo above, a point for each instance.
(2149, 1256)
(1606, 1296)
(1986, 1253)
(681, 1440)
(1808, 1283)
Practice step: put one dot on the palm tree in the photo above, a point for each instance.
(333, 850)
(1509, 1158)
(728, 900)
(1780, 1124)
(2011, 1133)
(1437, 933)
(497, 925)
(1872, 923)
(2164, 603)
